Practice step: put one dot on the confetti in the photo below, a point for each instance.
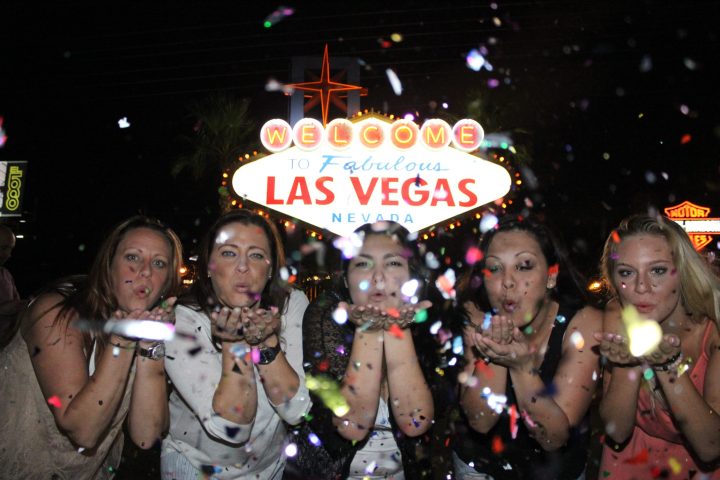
(145, 329)
(488, 222)
(291, 450)
(409, 288)
(421, 316)
(340, 315)
(314, 440)
(553, 269)
(394, 81)
(446, 284)
(123, 123)
(280, 13)
(475, 60)
(497, 445)
(675, 465)
(644, 335)
(577, 340)
(639, 459)
(329, 392)
(3, 135)
(54, 401)
(473, 255)
(396, 331)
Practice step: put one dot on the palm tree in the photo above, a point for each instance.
(221, 134)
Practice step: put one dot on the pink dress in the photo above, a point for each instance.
(656, 446)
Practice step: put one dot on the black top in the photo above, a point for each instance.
(326, 351)
(522, 457)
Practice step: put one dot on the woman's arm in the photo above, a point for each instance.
(149, 417)
(235, 398)
(361, 385)
(200, 376)
(284, 378)
(410, 397)
(550, 417)
(621, 380)
(696, 414)
(86, 404)
(479, 376)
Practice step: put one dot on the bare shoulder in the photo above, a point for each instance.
(587, 318)
(42, 316)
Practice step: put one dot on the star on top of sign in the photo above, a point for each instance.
(325, 89)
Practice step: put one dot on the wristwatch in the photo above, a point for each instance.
(156, 351)
(268, 354)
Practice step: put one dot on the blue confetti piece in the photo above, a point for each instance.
(457, 345)
(486, 321)
(560, 319)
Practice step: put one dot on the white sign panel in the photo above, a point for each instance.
(364, 176)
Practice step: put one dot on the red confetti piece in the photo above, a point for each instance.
(486, 272)
(553, 269)
(615, 237)
(513, 421)
(685, 139)
(396, 331)
(54, 401)
(497, 445)
(638, 459)
(393, 312)
(485, 369)
(323, 365)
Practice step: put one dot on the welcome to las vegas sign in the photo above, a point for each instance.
(349, 173)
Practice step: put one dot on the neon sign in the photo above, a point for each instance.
(353, 172)
(694, 219)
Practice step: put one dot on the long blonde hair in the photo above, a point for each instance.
(699, 286)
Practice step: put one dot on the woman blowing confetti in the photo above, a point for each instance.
(66, 386)
(531, 370)
(236, 363)
(662, 384)
(360, 336)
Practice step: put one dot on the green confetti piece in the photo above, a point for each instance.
(421, 316)
(648, 374)
(329, 392)
(528, 330)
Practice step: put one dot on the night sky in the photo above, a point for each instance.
(615, 102)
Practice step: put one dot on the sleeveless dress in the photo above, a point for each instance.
(31, 446)
(501, 456)
(655, 449)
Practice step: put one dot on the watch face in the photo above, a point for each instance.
(267, 355)
(154, 352)
(158, 351)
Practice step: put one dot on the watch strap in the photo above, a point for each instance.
(268, 354)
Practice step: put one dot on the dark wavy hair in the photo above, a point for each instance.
(403, 237)
(202, 296)
(569, 289)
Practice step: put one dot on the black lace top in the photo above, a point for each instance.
(326, 350)
(522, 457)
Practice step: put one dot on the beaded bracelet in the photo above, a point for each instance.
(671, 365)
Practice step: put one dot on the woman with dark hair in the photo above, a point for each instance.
(67, 386)
(530, 366)
(236, 363)
(661, 402)
(360, 336)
